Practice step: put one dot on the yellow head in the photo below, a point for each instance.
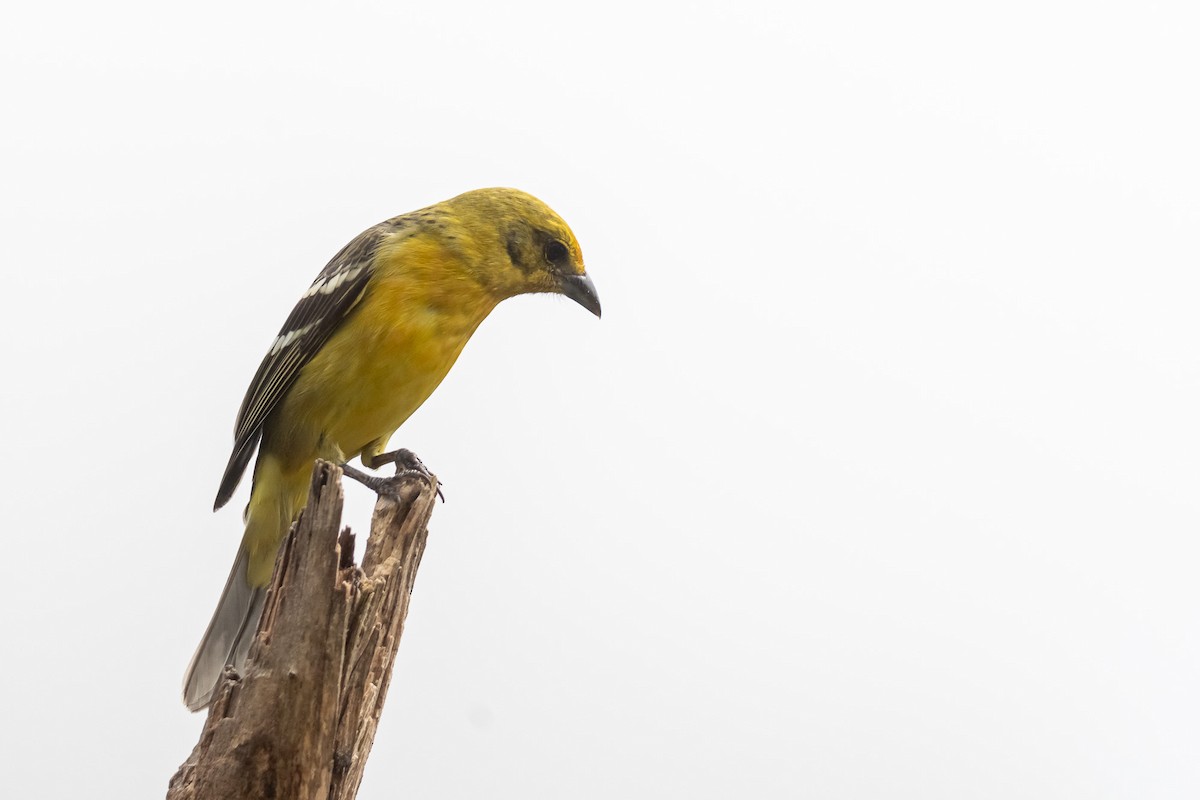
(515, 244)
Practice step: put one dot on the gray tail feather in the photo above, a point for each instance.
(228, 638)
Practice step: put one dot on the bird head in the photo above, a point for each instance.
(528, 247)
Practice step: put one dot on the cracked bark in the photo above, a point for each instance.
(300, 723)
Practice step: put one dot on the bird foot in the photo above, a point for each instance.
(404, 459)
(406, 462)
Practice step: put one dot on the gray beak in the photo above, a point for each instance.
(581, 289)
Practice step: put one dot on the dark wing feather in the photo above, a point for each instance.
(319, 313)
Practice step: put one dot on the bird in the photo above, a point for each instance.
(364, 347)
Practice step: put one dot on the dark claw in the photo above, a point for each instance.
(373, 482)
(405, 461)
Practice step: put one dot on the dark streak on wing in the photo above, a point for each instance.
(324, 312)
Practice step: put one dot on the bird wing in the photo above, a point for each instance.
(316, 316)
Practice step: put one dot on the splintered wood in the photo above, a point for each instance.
(300, 723)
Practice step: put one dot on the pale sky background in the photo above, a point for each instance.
(878, 479)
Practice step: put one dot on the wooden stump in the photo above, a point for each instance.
(300, 723)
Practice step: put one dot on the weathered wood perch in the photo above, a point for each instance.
(300, 723)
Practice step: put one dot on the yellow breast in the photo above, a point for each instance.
(388, 356)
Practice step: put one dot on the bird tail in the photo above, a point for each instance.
(229, 634)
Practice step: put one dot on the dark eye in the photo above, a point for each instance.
(556, 252)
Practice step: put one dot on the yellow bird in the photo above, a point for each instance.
(366, 344)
